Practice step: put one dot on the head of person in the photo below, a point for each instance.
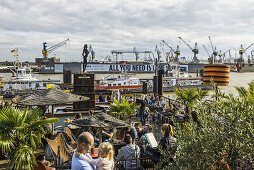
(106, 150)
(138, 127)
(127, 139)
(78, 116)
(148, 128)
(143, 97)
(41, 158)
(85, 142)
(166, 130)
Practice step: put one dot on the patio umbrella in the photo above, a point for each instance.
(101, 121)
(47, 97)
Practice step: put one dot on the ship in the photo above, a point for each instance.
(23, 79)
(127, 81)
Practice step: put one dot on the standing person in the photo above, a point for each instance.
(85, 143)
(105, 160)
(142, 110)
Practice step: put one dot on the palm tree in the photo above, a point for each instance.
(20, 134)
(122, 108)
(189, 97)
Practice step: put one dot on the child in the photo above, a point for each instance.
(105, 160)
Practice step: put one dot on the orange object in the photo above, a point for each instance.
(218, 72)
(94, 153)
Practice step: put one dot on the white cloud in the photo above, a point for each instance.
(122, 24)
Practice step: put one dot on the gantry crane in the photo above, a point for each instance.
(242, 50)
(195, 50)
(130, 51)
(91, 52)
(46, 50)
(177, 51)
(215, 53)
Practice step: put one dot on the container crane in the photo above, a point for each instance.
(177, 51)
(242, 50)
(195, 50)
(46, 50)
(91, 52)
(215, 53)
(134, 51)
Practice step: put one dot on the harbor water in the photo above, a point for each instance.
(236, 79)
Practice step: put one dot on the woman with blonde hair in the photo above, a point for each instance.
(167, 143)
(105, 160)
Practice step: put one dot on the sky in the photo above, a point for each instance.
(122, 25)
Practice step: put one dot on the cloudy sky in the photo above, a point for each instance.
(122, 24)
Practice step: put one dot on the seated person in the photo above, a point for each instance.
(129, 154)
(42, 163)
(107, 135)
(167, 143)
(139, 129)
(132, 132)
(143, 140)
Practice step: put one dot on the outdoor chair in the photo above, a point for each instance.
(73, 140)
(64, 149)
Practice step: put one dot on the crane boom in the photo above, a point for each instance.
(195, 50)
(186, 43)
(206, 51)
(46, 50)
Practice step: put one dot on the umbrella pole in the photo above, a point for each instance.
(52, 117)
(100, 135)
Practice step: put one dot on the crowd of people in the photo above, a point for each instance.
(136, 144)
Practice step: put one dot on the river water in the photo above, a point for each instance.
(236, 79)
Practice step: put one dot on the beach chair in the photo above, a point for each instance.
(64, 149)
(73, 140)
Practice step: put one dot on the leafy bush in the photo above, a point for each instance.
(224, 138)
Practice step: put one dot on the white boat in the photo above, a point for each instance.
(23, 79)
(126, 81)
(177, 78)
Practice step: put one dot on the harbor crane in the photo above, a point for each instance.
(177, 51)
(134, 51)
(215, 53)
(207, 52)
(46, 50)
(91, 52)
(242, 50)
(222, 55)
(158, 53)
(194, 50)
